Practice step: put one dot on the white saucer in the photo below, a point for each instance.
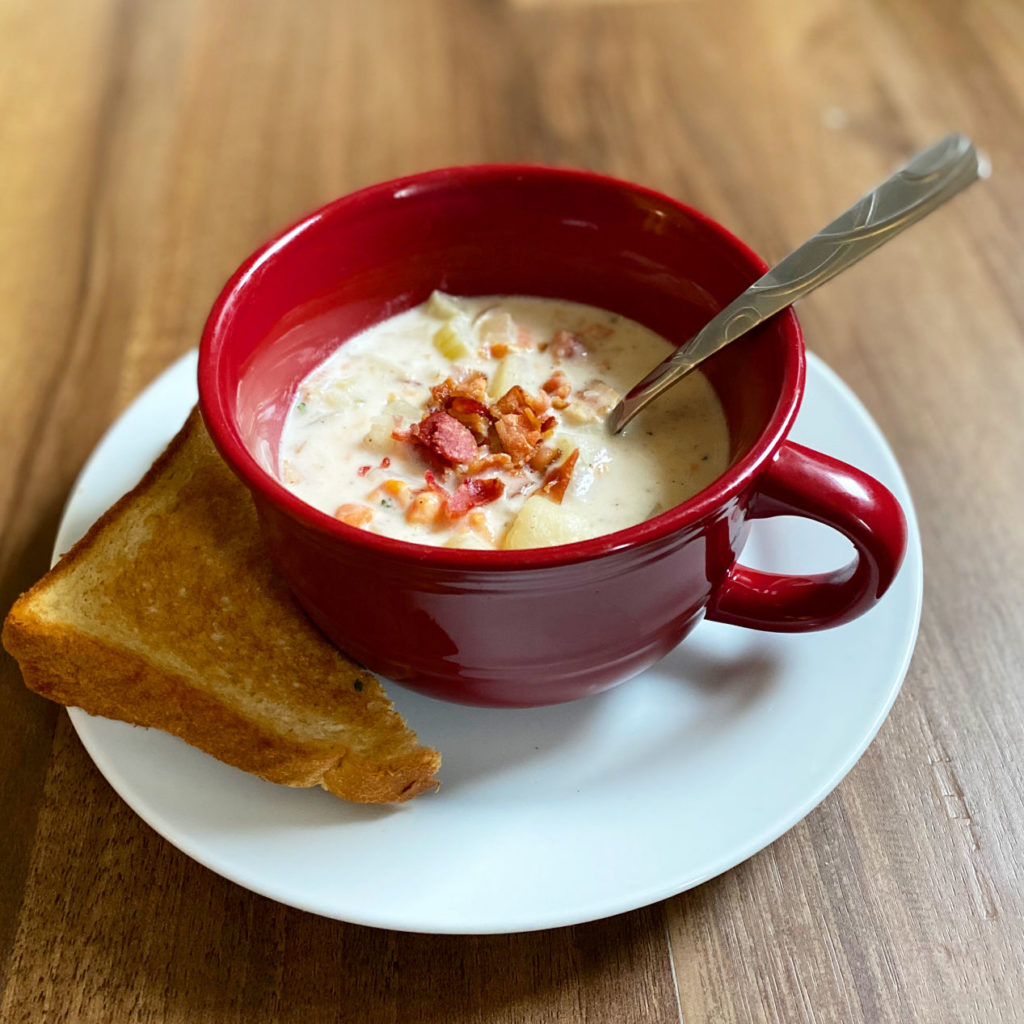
(559, 815)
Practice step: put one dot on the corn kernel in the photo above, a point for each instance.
(353, 514)
(480, 525)
(424, 508)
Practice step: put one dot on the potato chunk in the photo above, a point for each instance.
(541, 523)
(450, 339)
(443, 306)
(513, 369)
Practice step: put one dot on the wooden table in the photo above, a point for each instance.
(149, 146)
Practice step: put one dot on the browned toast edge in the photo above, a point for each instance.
(72, 668)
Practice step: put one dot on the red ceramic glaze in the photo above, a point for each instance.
(525, 628)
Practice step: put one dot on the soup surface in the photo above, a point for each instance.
(480, 422)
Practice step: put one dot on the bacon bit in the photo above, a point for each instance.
(468, 495)
(517, 400)
(472, 493)
(493, 460)
(465, 401)
(499, 350)
(517, 437)
(514, 400)
(557, 481)
(543, 457)
(474, 386)
(548, 425)
(600, 396)
(353, 515)
(472, 414)
(558, 385)
(444, 436)
(385, 462)
(580, 412)
(363, 470)
(540, 402)
(517, 426)
(566, 345)
(433, 485)
(442, 393)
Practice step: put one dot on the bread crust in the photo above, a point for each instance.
(382, 762)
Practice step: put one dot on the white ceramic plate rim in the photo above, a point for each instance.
(167, 400)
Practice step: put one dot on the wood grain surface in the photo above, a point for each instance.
(149, 146)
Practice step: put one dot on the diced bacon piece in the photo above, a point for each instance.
(472, 493)
(540, 403)
(518, 427)
(566, 345)
(353, 514)
(557, 481)
(363, 470)
(517, 436)
(516, 399)
(472, 414)
(558, 385)
(433, 485)
(600, 396)
(444, 436)
(498, 350)
(543, 457)
(442, 393)
(513, 401)
(579, 413)
(591, 404)
(468, 495)
(493, 460)
(474, 386)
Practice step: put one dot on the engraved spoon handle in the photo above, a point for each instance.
(926, 182)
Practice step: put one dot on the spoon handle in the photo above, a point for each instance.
(926, 182)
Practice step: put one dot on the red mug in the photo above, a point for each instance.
(538, 626)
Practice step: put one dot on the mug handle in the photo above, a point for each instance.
(803, 482)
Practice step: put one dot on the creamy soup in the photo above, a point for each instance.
(480, 422)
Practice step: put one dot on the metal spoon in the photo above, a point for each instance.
(926, 182)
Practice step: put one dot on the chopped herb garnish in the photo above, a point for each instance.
(386, 503)
(703, 458)
(358, 684)
(301, 407)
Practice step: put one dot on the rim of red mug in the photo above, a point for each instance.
(215, 406)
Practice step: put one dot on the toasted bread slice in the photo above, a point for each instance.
(169, 614)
